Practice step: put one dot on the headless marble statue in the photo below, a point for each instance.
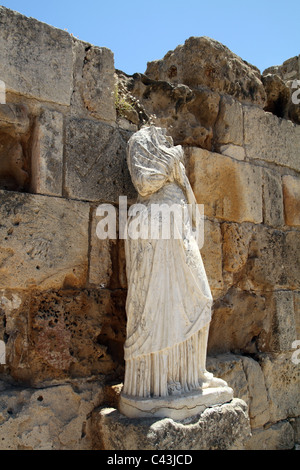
(169, 300)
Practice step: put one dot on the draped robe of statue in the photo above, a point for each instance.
(169, 301)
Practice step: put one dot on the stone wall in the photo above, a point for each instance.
(63, 131)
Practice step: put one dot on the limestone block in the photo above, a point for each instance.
(282, 332)
(229, 189)
(107, 264)
(96, 166)
(229, 125)
(204, 61)
(217, 428)
(279, 436)
(229, 367)
(272, 139)
(233, 151)
(211, 253)
(44, 241)
(238, 322)
(291, 195)
(273, 260)
(291, 254)
(54, 418)
(62, 334)
(272, 199)
(75, 334)
(258, 400)
(245, 377)
(236, 239)
(282, 384)
(36, 59)
(100, 261)
(94, 81)
(47, 154)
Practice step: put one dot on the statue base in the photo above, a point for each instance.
(220, 427)
(176, 407)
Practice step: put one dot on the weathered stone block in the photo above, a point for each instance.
(47, 154)
(94, 82)
(204, 61)
(273, 260)
(272, 199)
(54, 418)
(188, 116)
(211, 253)
(229, 126)
(233, 151)
(291, 196)
(258, 400)
(59, 334)
(236, 239)
(245, 377)
(238, 322)
(44, 241)
(36, 59)
(229, 189)
(217, 428)
(96, 166)
(282, 331)
(76, 334)
(282, 384)
(279, 436)
(229, 367)
(107, 264)
(272, 139)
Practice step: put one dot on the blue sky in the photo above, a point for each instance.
(264, 32)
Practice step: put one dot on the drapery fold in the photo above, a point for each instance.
(169, 299)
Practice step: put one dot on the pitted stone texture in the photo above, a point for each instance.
(61, 334)
(224, 427)
(54, 418)
(36, 59)
(96, 167)
(204, 61)
(44, 241)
